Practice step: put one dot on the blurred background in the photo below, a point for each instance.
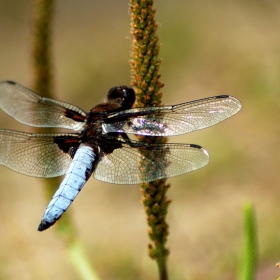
(208, 48)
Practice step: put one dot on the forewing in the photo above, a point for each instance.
(173, 120)
(37, 155)
(146, 163)
(31, 109)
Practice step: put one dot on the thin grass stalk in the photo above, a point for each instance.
(145, 66)
(43, 84)
(249, 257)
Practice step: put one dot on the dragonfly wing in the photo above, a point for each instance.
(173, 120)
(31, 109)
(145, 162)
(37, 155)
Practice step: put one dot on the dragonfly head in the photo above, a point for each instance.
(123, 95)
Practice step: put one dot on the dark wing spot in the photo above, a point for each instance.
(68, 144)
(74, 115)
(221, 96)
(11, 82)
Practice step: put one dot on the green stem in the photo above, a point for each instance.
(41, 53)
(162, 265)
(249, 258)
(80, 262)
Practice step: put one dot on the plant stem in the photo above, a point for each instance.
(146, 80)
(43, 84)
(41, 52)
(249, 257)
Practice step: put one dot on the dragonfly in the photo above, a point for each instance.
(99, 144)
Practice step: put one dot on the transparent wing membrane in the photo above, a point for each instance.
(173, 120)
(31, 109)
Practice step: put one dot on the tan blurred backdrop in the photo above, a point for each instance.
(208, 48)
